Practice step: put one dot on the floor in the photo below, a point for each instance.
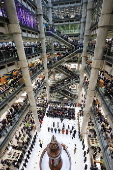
(77, 159)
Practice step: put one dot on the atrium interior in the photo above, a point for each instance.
(56, 84)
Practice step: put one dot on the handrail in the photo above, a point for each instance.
(64, 59)
(105, 103)
(11, 96)
(102, 142)
(63, 85)
(14, 93)
(107, 106)
(21, 114)
(50, 33)
(37, 73)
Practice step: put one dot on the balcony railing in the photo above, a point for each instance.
(11, 55)
(66, 1)
(57, 19)
(106, 98)
(8, 97)
(16, 120)
(108, 101)
(104, 146)
(107, 54)
(8, 56)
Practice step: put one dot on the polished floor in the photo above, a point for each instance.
(77, 159)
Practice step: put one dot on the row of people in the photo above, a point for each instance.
(61, 112)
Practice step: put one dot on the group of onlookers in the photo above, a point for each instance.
(10, 83)
(61, 112)
(108, 48)
(18, 146)
(105, 127)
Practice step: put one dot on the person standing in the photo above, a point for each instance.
(75, 150)
(63, 130)
(55, 130)
(59, 130)
(66, 131)
(57, 124)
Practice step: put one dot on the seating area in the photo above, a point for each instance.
(61, 112)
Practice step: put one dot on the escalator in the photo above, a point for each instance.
(59, 38)
(63, 59)
(65, 70)
(64, 83)
(68, 94)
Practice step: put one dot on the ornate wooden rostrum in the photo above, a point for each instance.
(54, 150)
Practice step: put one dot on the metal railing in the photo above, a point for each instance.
(17, 90)
(16, 121)
(103, 143)
(64, 58)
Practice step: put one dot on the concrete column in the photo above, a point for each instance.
(15, 30)
(50, 12)
(85, 45)
(42, 38)
(50, 23)
(103, 25)
(83, 20)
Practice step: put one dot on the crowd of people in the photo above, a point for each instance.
(107, 48)
(12, 80)
(107, 86)
(104, 84)
(16, 149)
(41, 104)
(105, 127)
(9, 119)
(61, 112)
(9, 83)
(9, 50)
